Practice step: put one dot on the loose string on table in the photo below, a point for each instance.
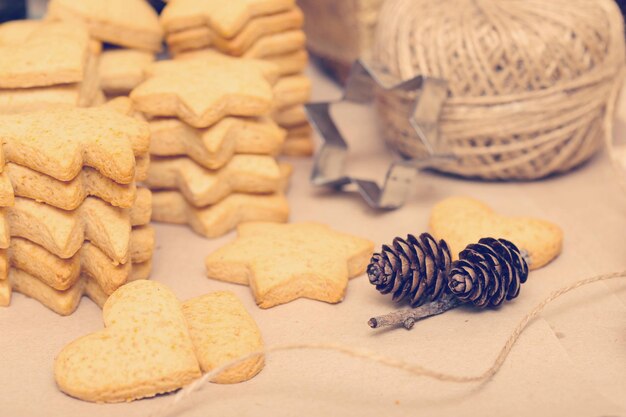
(184, 395)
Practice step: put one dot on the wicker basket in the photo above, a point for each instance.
(530, 81)
(340, 31)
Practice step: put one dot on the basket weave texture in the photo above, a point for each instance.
(530, 81)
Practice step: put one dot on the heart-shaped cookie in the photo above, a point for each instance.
(462, 220)
(144, 350)
(154, 344)
(223, 331)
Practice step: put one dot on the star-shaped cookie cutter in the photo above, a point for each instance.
(330, 160)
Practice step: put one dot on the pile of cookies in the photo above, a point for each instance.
(74, 220)
(47, 65)
(259, 29)
(130, 30)
(213, 143)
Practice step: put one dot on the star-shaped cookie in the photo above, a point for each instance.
(50, 54)
(211, 57)
(61, 274)
(128, 23)
(203, 91)
(254, 174)
(283, 262)
(226, 18)
(59, 143)
(63, 232)
(215, 146)
(204, 36)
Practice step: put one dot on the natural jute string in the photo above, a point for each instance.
(616, 153)
(530, 81)
(185, 394)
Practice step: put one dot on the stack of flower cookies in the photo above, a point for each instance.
(47, 65)
(74, 220)
(130, 30)
(213, 143)
(260, 29)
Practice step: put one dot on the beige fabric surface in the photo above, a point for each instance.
(570, 362)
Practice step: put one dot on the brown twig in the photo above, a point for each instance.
(408, 317)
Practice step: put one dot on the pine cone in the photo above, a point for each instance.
(413, 269)
(488, 272)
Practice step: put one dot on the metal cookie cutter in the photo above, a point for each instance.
(329, 164)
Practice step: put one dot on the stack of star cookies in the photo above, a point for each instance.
(269, 30)
(130, 30)
(295, 91)
(213, 143)
(47, 65)
(74, 220)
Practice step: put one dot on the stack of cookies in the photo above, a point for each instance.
(213, 143)
(47, 65)
(130, 30)
(259, 29)
(294, 91)
(75, 221)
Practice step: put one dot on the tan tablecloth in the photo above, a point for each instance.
(570, 362)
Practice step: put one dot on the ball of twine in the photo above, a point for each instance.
(530, 81)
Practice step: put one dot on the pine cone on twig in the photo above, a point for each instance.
(488, 272)
(412, 269)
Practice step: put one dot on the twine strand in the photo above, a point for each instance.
(184, 395)
(616, 154)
